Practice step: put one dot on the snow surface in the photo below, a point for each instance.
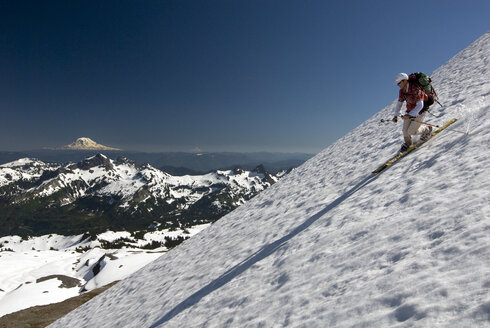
(23, 272)
(331, 245)
(32, 272)
(10, 172)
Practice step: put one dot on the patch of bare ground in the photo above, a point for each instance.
(43, 315)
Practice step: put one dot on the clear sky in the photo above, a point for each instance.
(229, 75)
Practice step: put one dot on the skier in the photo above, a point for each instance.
(414, 96)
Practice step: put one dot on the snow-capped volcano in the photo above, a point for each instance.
(332, 245)
(87, 144)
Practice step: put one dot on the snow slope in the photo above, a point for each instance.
(51, 268)
(331, 245)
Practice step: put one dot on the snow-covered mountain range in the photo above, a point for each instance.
(43, 198)
(332, 245)
(174, 163)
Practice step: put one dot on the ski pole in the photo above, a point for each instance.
(437, 126)
(388, 121)
(430, 113)
(433, 125)
(436, 98)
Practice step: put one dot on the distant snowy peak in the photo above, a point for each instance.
(87, 144)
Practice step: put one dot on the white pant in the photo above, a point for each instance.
(411, 128)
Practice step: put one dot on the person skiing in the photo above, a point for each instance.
(414, 96)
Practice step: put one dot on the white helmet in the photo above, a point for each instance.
(400, 77)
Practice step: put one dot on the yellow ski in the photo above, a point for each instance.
(392, 160)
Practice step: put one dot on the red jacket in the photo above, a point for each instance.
(412, 95)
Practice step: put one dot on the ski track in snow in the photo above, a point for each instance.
(332, 245)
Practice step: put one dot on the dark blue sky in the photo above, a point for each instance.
(230, 75)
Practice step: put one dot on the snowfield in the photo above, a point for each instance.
(9, 172)
(49, 269)
(332, 245)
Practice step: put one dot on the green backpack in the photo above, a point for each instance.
(424, 81)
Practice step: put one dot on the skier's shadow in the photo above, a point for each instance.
(258, 256)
